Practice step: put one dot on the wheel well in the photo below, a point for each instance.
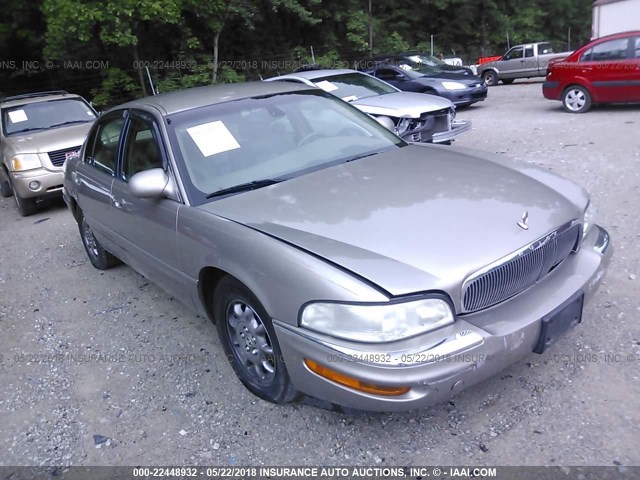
(75, 209)
(568, 87)
(208, 280)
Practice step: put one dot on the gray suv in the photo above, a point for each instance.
(38, 132)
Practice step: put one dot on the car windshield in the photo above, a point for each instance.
(259, 141)
(426, 64)
(353, 86)
(428, 60)
(45, 115)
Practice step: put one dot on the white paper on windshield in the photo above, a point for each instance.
(327, 86)
(350, 98)
(213, 138)
(18, 116)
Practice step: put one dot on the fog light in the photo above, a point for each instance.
(354, 383)
(35, 185)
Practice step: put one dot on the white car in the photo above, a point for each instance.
(416, 117)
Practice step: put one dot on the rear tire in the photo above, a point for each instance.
(98, 256)
(490, 78)
(576, 99)
(250, 342)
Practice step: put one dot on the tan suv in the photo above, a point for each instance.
(38, 132)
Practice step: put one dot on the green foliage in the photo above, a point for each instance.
(115, 88)
(392, 43)
(241, 36)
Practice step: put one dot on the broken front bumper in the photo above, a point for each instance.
(458, 127)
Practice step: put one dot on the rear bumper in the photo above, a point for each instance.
(458, 127)
(49, 183)
(551, 90)
(439, 364)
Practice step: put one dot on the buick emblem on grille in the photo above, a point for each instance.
(523, 223)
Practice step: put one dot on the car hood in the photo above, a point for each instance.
(451, 76)
(50, 140)
(456, 69)
(412, 219)
(402, 104)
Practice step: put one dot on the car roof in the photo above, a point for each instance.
(613, 36)
(174, 102)
(313, 74)
(35, 97)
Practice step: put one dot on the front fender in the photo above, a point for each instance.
(281, 276)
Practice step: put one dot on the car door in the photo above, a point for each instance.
(530, 65)
(635, 69)
(146, 227)
(512, 63)
(391, 76)
(95, 173)
(606, 66)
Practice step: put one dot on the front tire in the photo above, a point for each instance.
(490, 78)
(26, 206)
(5, 188)
(508, 81)
(250, 343)
(576, 99)
(98, 256)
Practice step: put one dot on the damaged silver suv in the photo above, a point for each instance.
(38, 132)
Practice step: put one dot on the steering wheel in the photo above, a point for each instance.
(351, 132)
(309, 137)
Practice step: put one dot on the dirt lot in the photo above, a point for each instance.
(161, 392)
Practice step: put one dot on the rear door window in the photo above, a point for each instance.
(610, 51)
(106, 137)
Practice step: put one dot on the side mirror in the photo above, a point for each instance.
(153, 183)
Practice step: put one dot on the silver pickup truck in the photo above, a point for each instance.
(522, 61)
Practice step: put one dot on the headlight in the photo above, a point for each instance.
(588, 219)
(377, 323)
(28, 161)
(403, 126)
(453, 86)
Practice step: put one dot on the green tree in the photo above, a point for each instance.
(117, 23)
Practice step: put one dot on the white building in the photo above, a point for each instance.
(613, 16)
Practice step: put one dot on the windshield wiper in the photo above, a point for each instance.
(69, 123)
(358, 157)
(26, 130)
(244, 187)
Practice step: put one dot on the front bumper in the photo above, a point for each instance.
(50, 182)
(467, 96)
(458, 127)
(439, 364)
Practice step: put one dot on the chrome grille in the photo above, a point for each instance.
(520, 270)
(58, 157)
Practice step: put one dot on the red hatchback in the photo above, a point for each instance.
(606, 70)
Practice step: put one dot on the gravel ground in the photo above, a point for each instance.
(104, 368)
